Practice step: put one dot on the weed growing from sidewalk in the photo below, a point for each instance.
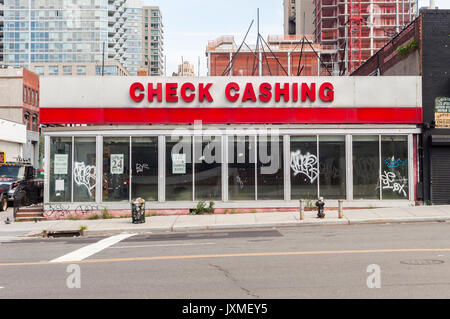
(202, 209)
(93, 216)
(83, 228)
(106, 214)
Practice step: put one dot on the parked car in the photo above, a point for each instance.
(18, 182)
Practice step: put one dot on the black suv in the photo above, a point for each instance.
(18, 181)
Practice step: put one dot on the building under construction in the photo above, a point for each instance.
(277, 56)
(351, 31)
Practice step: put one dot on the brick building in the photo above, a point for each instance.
(351, 31)
(278, 56)
(423, 48)
(19, 103)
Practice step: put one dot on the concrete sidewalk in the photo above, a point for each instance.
(229, 221)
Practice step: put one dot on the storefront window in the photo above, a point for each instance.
(304, 167)
(241, 168)
(394, 167)
(116, 169)
(332, 167)
(179, 168)
(208, 168)
(270, 168)
(84, 169)
(366, 167)
(144, 181)
(60, 169)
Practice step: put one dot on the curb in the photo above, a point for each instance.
(400, 220)
(296, 223)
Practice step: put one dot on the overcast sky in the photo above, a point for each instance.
(188, 25)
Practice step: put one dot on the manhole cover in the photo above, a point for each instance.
(422, 262)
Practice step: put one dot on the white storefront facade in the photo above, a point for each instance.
(242, 142)
(13, 137)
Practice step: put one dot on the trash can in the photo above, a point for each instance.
(138, 211)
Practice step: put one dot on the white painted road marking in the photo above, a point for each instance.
(92, 249)
(164, 245)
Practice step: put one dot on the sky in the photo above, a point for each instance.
(189, 25)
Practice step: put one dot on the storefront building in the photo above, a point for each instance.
(242, 142)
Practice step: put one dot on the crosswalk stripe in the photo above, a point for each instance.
(92, 249)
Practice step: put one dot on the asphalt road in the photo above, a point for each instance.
(304, 262)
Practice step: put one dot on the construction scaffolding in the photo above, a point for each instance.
(289, 55)
(351, 31)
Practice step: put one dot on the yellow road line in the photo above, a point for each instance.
(287, 253)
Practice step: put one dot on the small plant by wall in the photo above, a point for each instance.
(407, 48)
(202, 209)
(106, 214)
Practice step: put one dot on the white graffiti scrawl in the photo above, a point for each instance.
(389, 182)
(84, 175)
(304, 164)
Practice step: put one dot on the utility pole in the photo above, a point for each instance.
(257, 45)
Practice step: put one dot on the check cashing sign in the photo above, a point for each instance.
(181, 100)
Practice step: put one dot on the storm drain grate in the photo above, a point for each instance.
(422, 262)
(69, 233)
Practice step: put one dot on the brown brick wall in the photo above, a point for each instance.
(387, 56)
(31, 102)
(245, 62)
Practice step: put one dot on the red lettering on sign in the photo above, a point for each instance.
(294, 92)
(171, 92)
(232, 86)
(184, 88)
(188, 92)
(249, 93)
(282, 91)
(265, 93)
(326, 92)
(309, 92)
(133, 87)
(203, 92)
(151, 92)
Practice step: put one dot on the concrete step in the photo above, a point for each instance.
(31, 209)
(29, 214)
(30, 219)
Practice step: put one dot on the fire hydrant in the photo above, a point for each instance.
(320, 205)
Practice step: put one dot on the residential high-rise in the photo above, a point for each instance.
(133, 44)
(70, 31)
(153, 40)
(298, 17)
(351, 31)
